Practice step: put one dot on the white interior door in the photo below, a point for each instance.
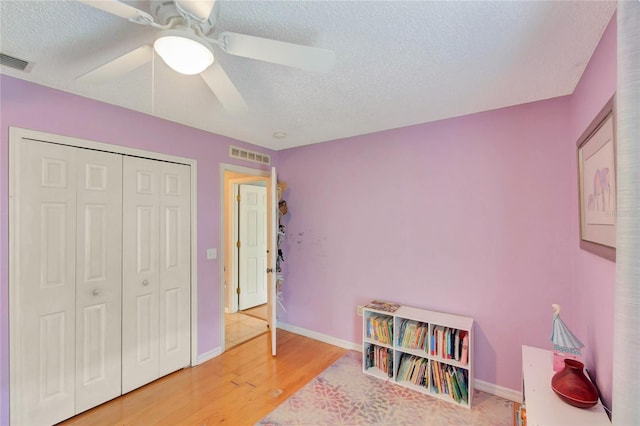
(272, 233)
(175, 267)
(252, 257)
(45, 214)
(98, 277)
(141, 276)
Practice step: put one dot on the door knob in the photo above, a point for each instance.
(95, 292)
(145, 282)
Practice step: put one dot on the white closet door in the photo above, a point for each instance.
(46, 217)
(98, 277)
(175, 267)
(141, 277)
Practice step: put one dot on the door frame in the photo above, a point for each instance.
(16, 134)
(226, 197)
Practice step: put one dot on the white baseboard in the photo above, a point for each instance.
(481, 385)
(319, 336)
(496, 390)
(208, 355)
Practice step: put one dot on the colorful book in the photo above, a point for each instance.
(462, 385)
(449, 384)
(454, 384)
(464, 355)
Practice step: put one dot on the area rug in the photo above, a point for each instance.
(344, 395)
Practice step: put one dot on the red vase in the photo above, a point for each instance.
(573, 387)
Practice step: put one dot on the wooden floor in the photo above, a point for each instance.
(238, 328)
(238, 387)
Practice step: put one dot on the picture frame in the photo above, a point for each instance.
(597, 184)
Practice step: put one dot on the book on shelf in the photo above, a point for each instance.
(412, 369)
(380, 358)
(450, 385)
(412, 334)
(383, 305)
(380, 328)
(449, 344)
(370, 356)
(464, 351)
(449, 380)
(461, 382)
(458, 390)
(422, 338)
(435, 377)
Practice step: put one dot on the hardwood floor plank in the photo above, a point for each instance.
(238, 387)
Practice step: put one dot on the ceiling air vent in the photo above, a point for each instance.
(245, 154)
(13, 62)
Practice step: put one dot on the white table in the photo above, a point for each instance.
(544, 407)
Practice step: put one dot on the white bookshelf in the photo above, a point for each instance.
(434, 364)
(543, 406)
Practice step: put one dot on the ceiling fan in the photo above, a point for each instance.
(185, 42)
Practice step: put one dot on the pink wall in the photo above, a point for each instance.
(469, 215)
(30, 106)
(594, 277)
(475, 215)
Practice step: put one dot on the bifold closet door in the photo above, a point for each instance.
(68, 284)
(98, 277)
(44, 388)
(156, 265)
(175, 267)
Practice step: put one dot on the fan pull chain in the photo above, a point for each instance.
(153, 82)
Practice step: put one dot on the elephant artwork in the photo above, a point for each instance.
(600, 199)
(597, 185)
(598, 182)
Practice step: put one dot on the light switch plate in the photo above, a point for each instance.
(212, 253)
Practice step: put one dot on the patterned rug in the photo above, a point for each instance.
(344, 395)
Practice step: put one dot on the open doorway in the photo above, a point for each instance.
(244, 251)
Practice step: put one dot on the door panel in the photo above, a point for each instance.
(253, 246)
(175, 267)
(144, 237)
(141, 286)
(53, 221)
(146, 350)
(94, 332)
(99, 277)
(46, 217)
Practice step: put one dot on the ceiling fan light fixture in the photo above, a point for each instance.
(183, 51)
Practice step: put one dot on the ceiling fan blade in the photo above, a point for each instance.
(277, 52)
(200, 9)
(119, 66)
(122, 10)
(224, 89)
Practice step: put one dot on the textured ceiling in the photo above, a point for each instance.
(397, 63)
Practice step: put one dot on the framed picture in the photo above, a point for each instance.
(597, 185)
